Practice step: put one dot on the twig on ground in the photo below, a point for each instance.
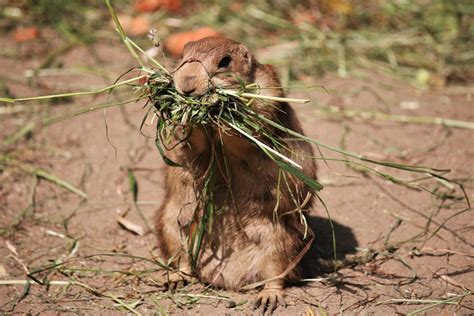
(333, 111)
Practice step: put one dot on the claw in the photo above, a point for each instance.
(257, 303)
(268, 300)
(273, 305)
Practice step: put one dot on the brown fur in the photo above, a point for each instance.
(247, 243)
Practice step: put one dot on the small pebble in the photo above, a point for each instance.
(230, 304)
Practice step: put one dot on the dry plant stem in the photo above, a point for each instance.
(77, 283)
(410, 301)
(433, 251)
(262, 97)
(429, 171)
(19, 134)
(108, 295)
(414, 168)
(457, 298)
(73, 94)
(25, 282)
(103, 106)
(134, 188)
(121, 32)
(47, 121)
(128, 42)
(420, 213)
(41, 174)
(332, 111)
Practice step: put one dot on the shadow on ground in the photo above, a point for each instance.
(322, 249)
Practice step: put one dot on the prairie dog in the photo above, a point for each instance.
(256, 235)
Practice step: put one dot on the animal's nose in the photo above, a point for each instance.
(188, 91)
(191, 79)
(189, 85)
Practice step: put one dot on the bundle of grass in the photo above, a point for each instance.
(228, 110)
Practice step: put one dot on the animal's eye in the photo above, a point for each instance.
(224, 62)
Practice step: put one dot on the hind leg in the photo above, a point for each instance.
(278, 252)
(268, 252)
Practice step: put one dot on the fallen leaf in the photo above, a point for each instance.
(154, 5)
(25, 34)
(132, 227)
(175, 43)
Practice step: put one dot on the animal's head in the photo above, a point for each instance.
(213, 62)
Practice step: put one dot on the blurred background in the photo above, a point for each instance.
(430, 43)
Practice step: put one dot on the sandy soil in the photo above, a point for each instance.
(392, 250)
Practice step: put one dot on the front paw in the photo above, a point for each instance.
(269, 299)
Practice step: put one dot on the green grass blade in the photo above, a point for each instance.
(133, 184)
(413, 168)
(160, 148)
(310, 182)
(262, 145)
(7, 100)
(131, 45)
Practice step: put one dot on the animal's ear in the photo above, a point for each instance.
(244, 52)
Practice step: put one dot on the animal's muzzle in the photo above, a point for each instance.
(191, 79)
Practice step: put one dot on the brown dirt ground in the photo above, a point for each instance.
(365, 209)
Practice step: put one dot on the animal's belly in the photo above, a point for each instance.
(231, 270)
(243, 256)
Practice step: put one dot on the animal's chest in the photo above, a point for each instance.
(231, 187)
(248, 183)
